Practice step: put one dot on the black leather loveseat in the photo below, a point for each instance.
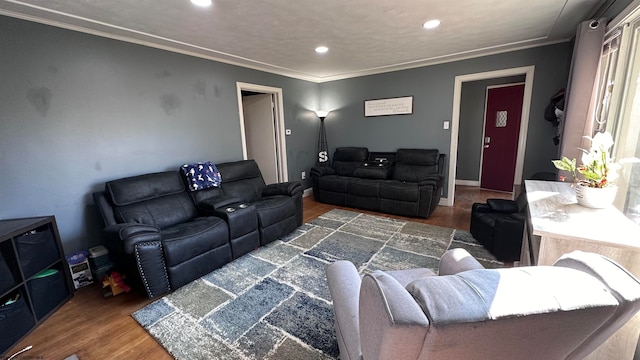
(408, 182)
(164, 236)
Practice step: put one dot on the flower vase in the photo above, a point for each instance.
(596, 198)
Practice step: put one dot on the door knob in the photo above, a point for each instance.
(486, 146)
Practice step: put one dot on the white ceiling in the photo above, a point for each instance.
(279, 36)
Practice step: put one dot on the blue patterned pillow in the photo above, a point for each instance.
(201, 175)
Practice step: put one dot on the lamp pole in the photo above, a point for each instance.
(322, 149)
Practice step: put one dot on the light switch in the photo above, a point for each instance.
(446, 125)
(287, 132)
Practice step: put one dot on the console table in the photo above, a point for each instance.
(556, 225)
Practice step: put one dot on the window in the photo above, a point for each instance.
(606, 81)
(618, 110)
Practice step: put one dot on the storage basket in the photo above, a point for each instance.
(36, 250)
(15, 320)
(47, 291)
(6, 277)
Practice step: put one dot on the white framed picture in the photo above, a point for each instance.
(390, 106)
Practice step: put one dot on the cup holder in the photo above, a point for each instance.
(242, 206)
(230, 209)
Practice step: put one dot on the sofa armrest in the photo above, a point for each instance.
(392, 324)
(503, 205)
(457, 260)
(479, 208)
(151, 266)
(344, 285)
(623, 285)
(209, 206)
(126, 235)
(291, 188)
(321, 171)
(441, 158)
(431, 180)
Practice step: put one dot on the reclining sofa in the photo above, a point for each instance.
(563, 311)
(408, 182)
(162, 236)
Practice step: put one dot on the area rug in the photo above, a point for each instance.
(274, 303)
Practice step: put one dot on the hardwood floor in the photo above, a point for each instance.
(93, 327)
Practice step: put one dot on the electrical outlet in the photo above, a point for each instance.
(304, 175)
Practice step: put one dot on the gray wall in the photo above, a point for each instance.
(77, 110)
(432, 89)
(472, 99)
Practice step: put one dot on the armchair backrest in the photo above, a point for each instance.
(347, 159)
(242, 179)
(413, 165)
(158, 199)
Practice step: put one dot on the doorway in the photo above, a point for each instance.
(528, 72)
(262, 129)
(502, 116)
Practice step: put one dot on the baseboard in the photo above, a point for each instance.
(468, 182)
(443, 201)
(307, 192)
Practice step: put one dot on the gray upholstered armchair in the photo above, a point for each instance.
(563, 311)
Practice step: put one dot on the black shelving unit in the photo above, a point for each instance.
(29, 293)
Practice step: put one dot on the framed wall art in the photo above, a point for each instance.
(390, 106)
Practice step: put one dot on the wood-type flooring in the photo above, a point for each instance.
(93, 327)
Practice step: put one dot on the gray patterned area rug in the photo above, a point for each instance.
(273, 303)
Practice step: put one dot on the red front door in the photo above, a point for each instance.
(501, 131)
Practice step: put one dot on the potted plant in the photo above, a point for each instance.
(595, 187)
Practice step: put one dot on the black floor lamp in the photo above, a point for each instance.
(323, 149)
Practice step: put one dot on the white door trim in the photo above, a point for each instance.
(528, 71)
(281, 145)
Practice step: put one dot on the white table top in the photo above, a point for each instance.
(554, 211)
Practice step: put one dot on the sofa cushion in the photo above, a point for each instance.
(345, 168)
(347, 159)
(414, 165)
(502, 206)
(135, 189)
(333, 183)
(351, 154)
(481, 295)
(363, 187)
(372, 171)
(417, 156)
(274, 209)
(396, 190)
(187, 240)
(242, 179)
(162, 212)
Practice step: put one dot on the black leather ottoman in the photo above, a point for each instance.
(243, 227)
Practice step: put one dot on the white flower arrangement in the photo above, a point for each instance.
(598, 169)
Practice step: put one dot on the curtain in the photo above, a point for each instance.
(583, 84)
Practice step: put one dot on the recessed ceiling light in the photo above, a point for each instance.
(431, 24)
(322, 49)
(202, 3)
